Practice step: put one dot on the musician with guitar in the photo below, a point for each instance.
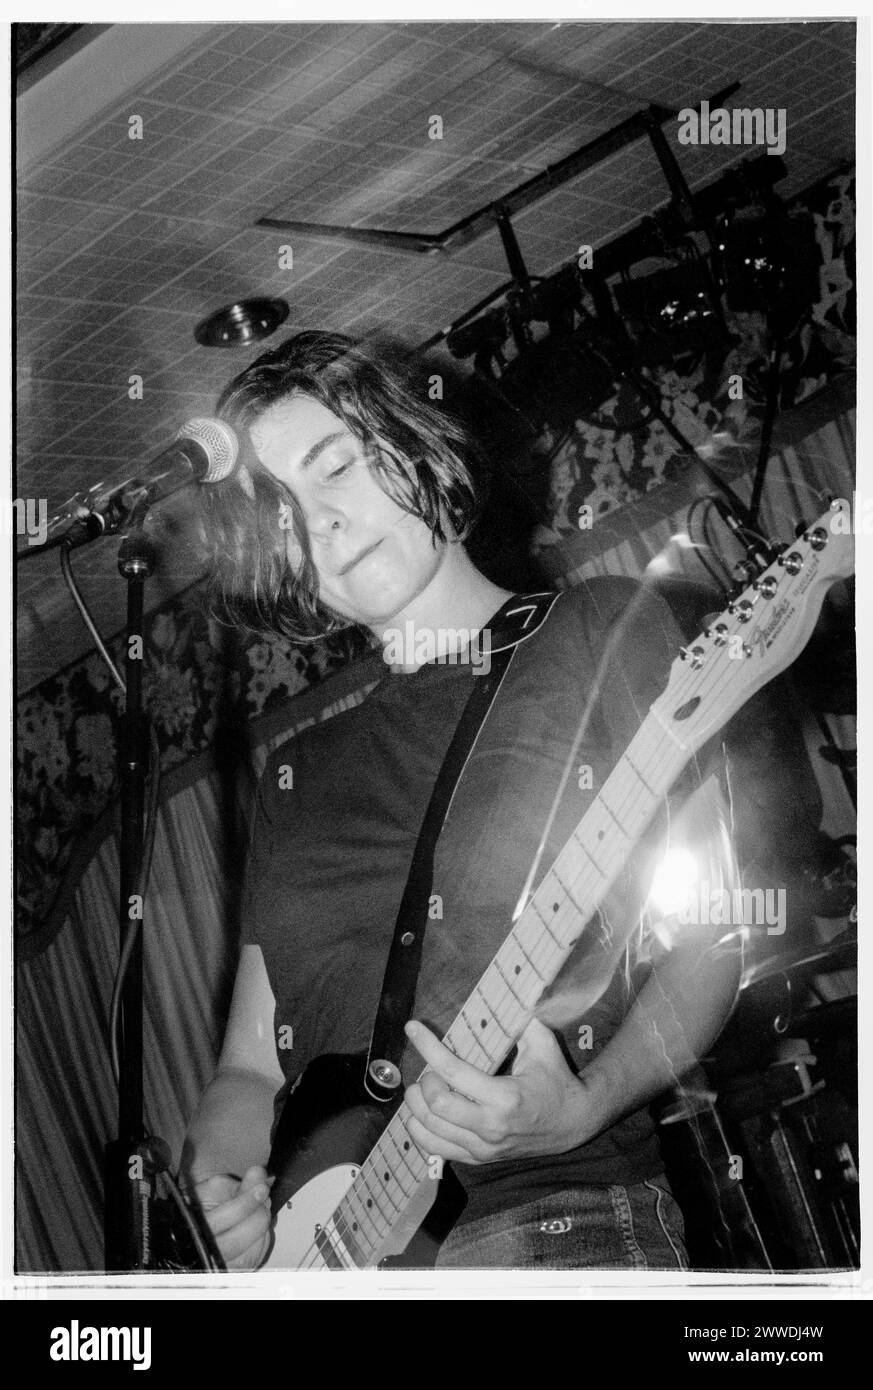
(351, 508)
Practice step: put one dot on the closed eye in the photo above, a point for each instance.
(337, 472)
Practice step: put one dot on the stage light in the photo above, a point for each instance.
(672, 312)
(768, 260)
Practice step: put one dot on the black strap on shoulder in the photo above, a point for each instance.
(517, 620)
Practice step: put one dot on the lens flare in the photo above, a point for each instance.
(674, 882)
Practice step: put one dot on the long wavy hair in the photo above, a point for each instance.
(421, 456)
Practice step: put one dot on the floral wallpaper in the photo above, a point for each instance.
(199, 674)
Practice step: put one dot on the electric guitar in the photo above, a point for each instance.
(351, 1186)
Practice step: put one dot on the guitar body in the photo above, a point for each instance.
(328, 1126)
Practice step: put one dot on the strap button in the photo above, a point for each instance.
(385, 1073)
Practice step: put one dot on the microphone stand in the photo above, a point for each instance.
(135, 1237)
(130, 1168)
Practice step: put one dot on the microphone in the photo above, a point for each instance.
(204, 451)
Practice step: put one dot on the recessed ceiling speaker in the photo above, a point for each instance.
(236, 325)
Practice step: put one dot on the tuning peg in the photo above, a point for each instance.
(817, 537)
(792, 562)
(767, 586)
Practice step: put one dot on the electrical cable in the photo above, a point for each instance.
(66, 570)
(205, 1255)
(699, 552)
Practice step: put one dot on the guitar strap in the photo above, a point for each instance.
(519, 618)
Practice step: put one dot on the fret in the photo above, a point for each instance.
(584, 848)
(639, 776)
(514, 941)
(386, 1172)
(336, 1242)
(601, 801)
(568, 915)
(557, 906)
(399, 1154)
(484, 984)
(569, 893)
(390, 1173)
(407, 1150)
(383, 1192)
(348, 1245)
(360, 1217)
(497, 1043)
(542, 947)
(327, 1251)
(474, 1035)
(535, 909)
(523, 1003)
(610, 851)
(479, 1006)
(373, 1202)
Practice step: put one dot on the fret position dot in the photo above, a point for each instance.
(387, 1176)
(369, 1201)
(554, 907)
(483, 1023)
(406, 1145)
(518, 970)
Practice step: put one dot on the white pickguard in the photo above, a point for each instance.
(311, 1207)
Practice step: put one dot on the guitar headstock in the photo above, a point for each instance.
(759, 634)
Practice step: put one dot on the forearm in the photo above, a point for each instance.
(230, 1129)
(679, 1012)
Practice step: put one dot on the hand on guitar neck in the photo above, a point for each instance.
(465, 1115)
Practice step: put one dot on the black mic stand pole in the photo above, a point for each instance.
(129, 1171)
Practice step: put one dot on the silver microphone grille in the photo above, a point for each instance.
(220, 443)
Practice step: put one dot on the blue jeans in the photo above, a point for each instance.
(597, 1227)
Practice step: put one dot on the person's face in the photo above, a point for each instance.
(372, 558)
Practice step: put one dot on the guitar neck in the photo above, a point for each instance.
(389, 1195)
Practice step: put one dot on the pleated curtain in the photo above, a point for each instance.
(66, 1099)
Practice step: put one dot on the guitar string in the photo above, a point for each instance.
(338, 1215)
